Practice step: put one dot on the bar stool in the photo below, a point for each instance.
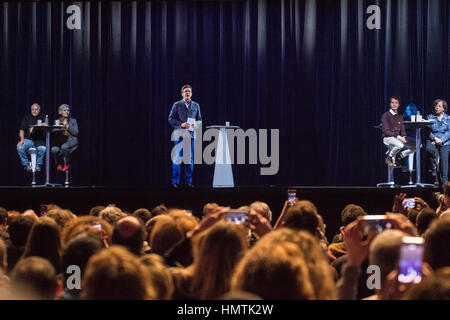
(33, 154)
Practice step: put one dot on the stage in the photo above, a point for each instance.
(329, 200)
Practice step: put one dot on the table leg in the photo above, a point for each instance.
(47, 158)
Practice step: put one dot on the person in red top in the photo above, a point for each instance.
(394, 134)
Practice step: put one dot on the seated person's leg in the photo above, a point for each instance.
(22, 151)
(41, 153)
(444, 151)
(67, 148)
(394, 145)
(432, 152)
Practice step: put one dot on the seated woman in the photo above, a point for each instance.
(66, 140)
(438, 144)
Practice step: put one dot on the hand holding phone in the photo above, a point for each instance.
(374, 223)
(410, 260)
(239, 217)
(292, 196)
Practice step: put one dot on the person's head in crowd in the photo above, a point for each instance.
(315, 258)
(384, 252)
(129, 232)
(412, 214)
(274, 271)
(95, 211)
(35, 278)
(159, 275)
(52, 206)
(433, 287)
(165, 233)
(185, 221)
(446, 191)
(210, 208)
(19, 229)
(437, 239)
(12, 214)
(112, 214)
(3, 258)
(61, 216)
(143, 214)
(4, 219)
(45, 241)
(116, 274)
(30, 213)
(263, 209)
(216, 254)
(350, 213)
(240, 295)
(86, 223)
(424, 220)
(159, 209)
(77, 253)
(303, 215)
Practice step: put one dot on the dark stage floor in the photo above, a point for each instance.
(329, 200)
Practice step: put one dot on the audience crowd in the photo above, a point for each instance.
(167, 253)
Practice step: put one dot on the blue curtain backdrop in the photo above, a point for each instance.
(309, 68)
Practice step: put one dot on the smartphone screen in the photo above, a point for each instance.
(410, 260)
(375, 223)
(97, 226)
(409, 203)
(292, 195)
(237, 217)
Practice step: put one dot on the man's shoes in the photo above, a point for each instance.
(66, 167)
(399, 161)
(175, 185)
(190, 185)
(389, 162)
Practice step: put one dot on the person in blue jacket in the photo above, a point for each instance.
(438, 144)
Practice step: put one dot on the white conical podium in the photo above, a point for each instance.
(223, 173)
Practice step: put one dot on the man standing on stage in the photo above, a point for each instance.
(394, 134)
(30, 138)
(182, 116)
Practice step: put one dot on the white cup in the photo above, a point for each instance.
(57, 122)
(413, 118)
(39, 123)
(227, 123)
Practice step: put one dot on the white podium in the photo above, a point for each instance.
(223, 173)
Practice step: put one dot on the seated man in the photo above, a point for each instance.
(394, 134)
(30, 138)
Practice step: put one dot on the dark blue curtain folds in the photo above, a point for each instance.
(310, 68)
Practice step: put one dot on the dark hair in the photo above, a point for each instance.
(79, 250)
(394, 97)
(35, 278)
(302, 216)
(95, 211)
(159, 209)
(44, 241)
(443, 102)
(424, 220)
(134, 243)
(437, 239)
(185, 86)
(143, 214)
(350, 213)
(434, 287)
(19, 229)
(3, 216)
(446, 188)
